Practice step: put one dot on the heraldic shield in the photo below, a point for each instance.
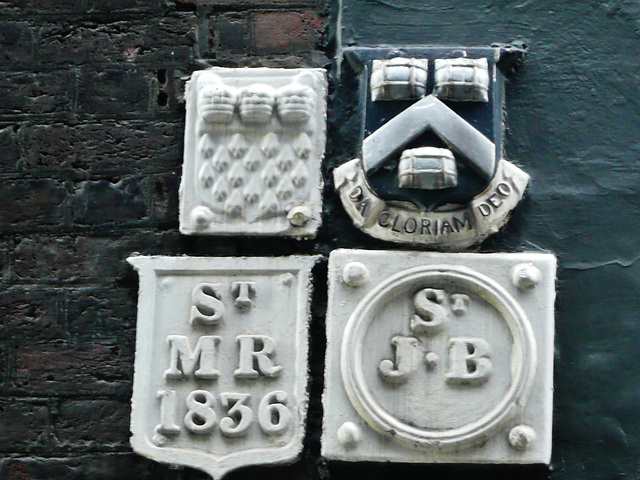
(221, 360)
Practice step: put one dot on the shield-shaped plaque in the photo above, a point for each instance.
(431, 171)
(221, 360)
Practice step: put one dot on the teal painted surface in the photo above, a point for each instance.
(573, 124)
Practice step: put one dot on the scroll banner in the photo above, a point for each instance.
(451, 227)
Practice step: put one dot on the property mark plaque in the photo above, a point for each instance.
(439, 358)
(221, 360)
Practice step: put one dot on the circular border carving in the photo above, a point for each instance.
(523, 356)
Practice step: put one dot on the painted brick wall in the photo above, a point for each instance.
(91, 126)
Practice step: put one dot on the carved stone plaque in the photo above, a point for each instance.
(439, 357)
(431, 172)
(254, 141)
(221, 360)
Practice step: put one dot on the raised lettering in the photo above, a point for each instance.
(424, 223)
(239, 416)
(413, 227)
(484, 209)
(461, 223)
(395, 221)
(168, 409)
(273, 415)
(470, 363)
(243, 291)
(250, 357)
(362, 206)
(459, 303)
(399, 370)
(200, 417)
(207, 307)
(431, 316)
(493, 201)
(504, 189)
(355, 195)
(183, 360)
(384, 223)
(446, 224)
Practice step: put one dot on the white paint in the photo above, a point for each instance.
(438, 358)
(450, 229)
(221, 360)
(254, 142)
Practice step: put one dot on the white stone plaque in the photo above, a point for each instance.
(221, 360)
(254, 141)
(439, 357)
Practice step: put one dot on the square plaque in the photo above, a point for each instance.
(221, 360)
(254, 141)
(439, 358)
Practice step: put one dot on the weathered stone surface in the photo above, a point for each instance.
(25, 425)
(36, 93)
(221, 360)
(32, 204)
(98, 424)
(276, 32)
(168, 42)
(436, 358)
(107, 466)
(254, 141)
(103, 202)
(121, 91)
(100, 367)
(102, 148)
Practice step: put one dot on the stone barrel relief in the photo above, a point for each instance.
(254, 141)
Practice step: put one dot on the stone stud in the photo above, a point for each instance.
(525, 276)
(432, 360)
(159, 439)
(521, 437)
(299, 216)
(349, 435)
(355, 274)
(201, 217)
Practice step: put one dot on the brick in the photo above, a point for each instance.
(30, 314)
(167, 41)
(122, 5)
(83, 259)
(16, 42)
(240, 3)
(5, 365)
(123, 91)
(232, 33)
(97, 424)
(31, 203)
(36, 93)
(97, 149)
(25, 426)
(75, 368)
(37, 259)
(10, 150)
(280, 32)
(106, 466)
(50, 7)
(105, 203)
(164, 199)
(93, 313)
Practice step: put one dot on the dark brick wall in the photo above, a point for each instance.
(91, 126)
